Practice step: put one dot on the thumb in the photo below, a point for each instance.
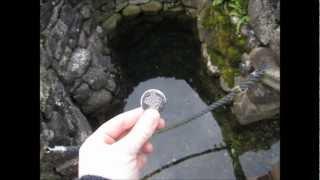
(141, 132)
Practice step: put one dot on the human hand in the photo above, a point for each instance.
(118, 149)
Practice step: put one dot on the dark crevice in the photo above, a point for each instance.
(182, 160)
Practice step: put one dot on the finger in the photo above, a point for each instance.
(147, 148)
(162, 124)
(141, 160)
(117, 125)
(141, 132)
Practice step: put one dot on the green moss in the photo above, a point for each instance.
(225, 46)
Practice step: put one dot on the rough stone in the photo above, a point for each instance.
(97, 100)
(252, 40)
(78, 64)
(85, 11)
(67, 15)
(56, 39)
(197, 4)
(151, 7)
(87, 26)
(120, 4)
(272, 78)
(217, 165)
(212, 69)
(96, 78)
(275, 44)
(64, 118)
(138, 1)
(257, 103)
(82, 93)
(111, 23)
(131, 11)
(259, 56)
(46, 10)
(98, 3)
(224, 85)
(263, 18)
(193, 137)
(255, 164)
(82, 43)
(45, 59)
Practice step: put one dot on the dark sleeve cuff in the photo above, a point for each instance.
(90, 177)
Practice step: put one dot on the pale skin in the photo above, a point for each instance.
(118, 149)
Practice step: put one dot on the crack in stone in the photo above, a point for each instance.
(178, 161)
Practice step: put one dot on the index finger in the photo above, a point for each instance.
(118, 124)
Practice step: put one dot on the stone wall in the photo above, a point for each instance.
(79, 78)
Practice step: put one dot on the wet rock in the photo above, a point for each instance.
(78, 64)
(138, 1)
(111, 23)
(193, 137)
(96, 78)
(257, 103)
(131, 11)
(217, 165)
(82, 93)
(197, 4)
(97, 100)
(256, 164)
(151, 7)
(263, 18)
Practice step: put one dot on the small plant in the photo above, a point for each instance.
(236, 9)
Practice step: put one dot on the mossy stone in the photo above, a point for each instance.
(111, 23)
(131, 11)
(151, 7)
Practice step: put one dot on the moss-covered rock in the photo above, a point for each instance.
(225, 46)
(111, 23)
(151, 7)
(131, 11)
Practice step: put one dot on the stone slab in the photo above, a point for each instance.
(194, 137)
(259, 163)
(215, 165)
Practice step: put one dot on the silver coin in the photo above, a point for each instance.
(153, 98)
